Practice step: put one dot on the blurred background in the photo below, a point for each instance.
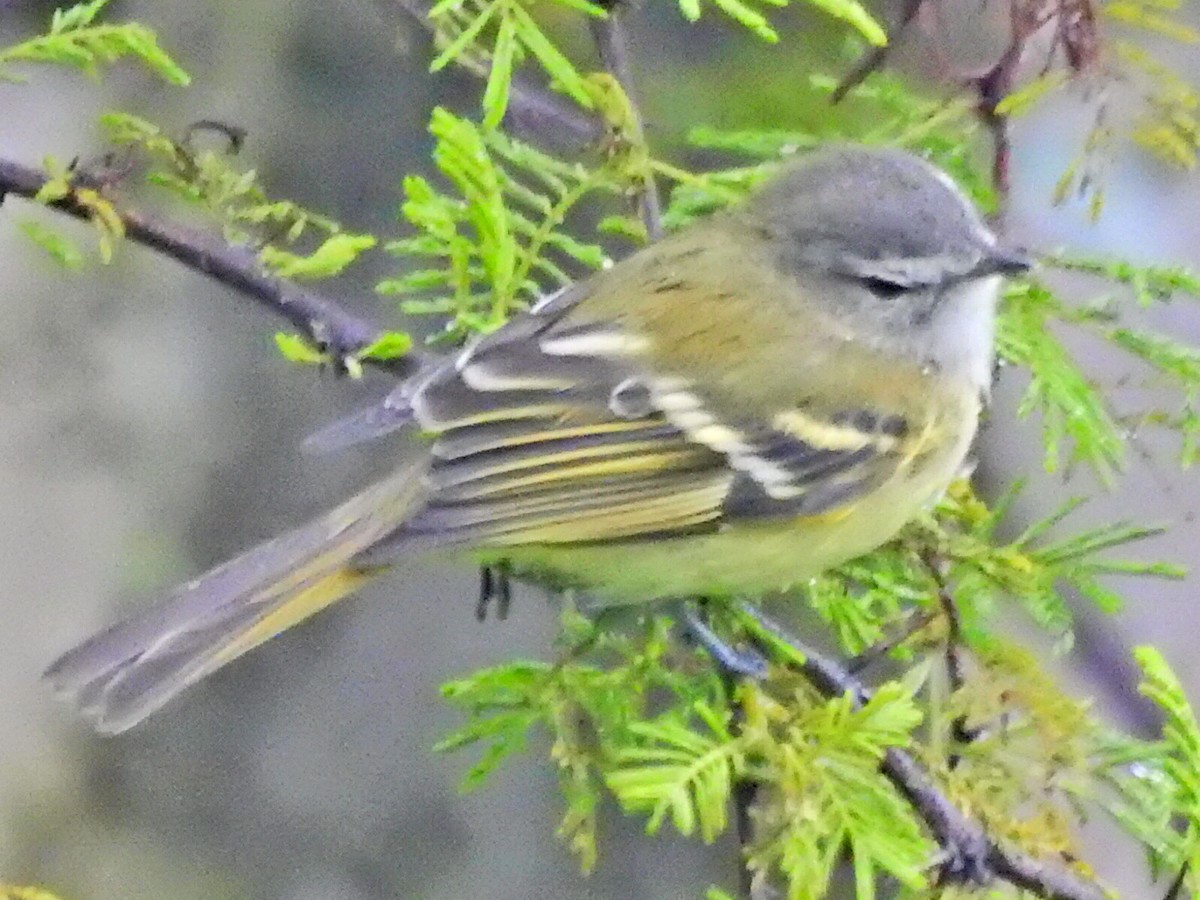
(149, 430)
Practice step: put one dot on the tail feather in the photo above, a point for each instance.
(124, 674)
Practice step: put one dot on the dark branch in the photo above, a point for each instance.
(954, 644)
(913, 622)
(874, 59)
(237, 267)
(973, 854)
(612, 43)
(745, 792)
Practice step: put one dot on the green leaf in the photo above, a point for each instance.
(297, 349)
(1024, 98)
(1150, 283)
(76, 17)
(495, 96)
(676, 772)
(74, 41)
(496, 241)
(1131, 12)
(557, 66)
(329, 259)
(61, 248)
(1181, 765)
(465, 38)
(854, 13)
(751, 18)
(390, 345)
(1071, 407)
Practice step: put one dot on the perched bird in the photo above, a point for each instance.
(730, 411)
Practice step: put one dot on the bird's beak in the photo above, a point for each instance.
(1003, 261)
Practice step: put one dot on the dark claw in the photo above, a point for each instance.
(494, 584)
(487, 585)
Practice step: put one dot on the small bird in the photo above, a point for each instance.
(726, 413)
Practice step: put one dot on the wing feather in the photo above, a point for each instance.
(559, 429)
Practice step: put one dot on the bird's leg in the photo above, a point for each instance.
(495, 583)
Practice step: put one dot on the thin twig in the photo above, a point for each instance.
(533, 111)
(973, 855)
(612, 43)
(913, 622)
(320, 318)
(873, 59)
(744, 793)
(954, 647)
(996, 84)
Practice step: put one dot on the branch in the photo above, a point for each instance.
(974, 856)
(612, 43)
(533, 111)
(325, 322)
(954, 644)
(874, 59)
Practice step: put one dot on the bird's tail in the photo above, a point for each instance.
(122, 675)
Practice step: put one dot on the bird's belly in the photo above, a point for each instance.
(749, 558)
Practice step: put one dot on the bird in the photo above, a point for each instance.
(728, 412)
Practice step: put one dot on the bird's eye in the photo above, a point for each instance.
(883, 288)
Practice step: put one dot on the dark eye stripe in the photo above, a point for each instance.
(881, 287)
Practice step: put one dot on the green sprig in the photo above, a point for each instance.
(73, 40)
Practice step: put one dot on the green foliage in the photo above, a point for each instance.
(297, 349)
(819, 762)
(674, 768)
(744, 13)
(1166, 123)
(814, 761)
(16, 892)
(883, 112)
(1040, 569)
(332, 256)
(101, 213)
(73, 40)
(589, 702)
(622, 714)
(859, 600)
(1170, 363)
(61, 249)
(1070, 406)
(497, 35)
(1034, 569)
(293, 242)
(1150, 283)
(1176, 839)
(497, 241)
(389, 345)
(207, 178)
